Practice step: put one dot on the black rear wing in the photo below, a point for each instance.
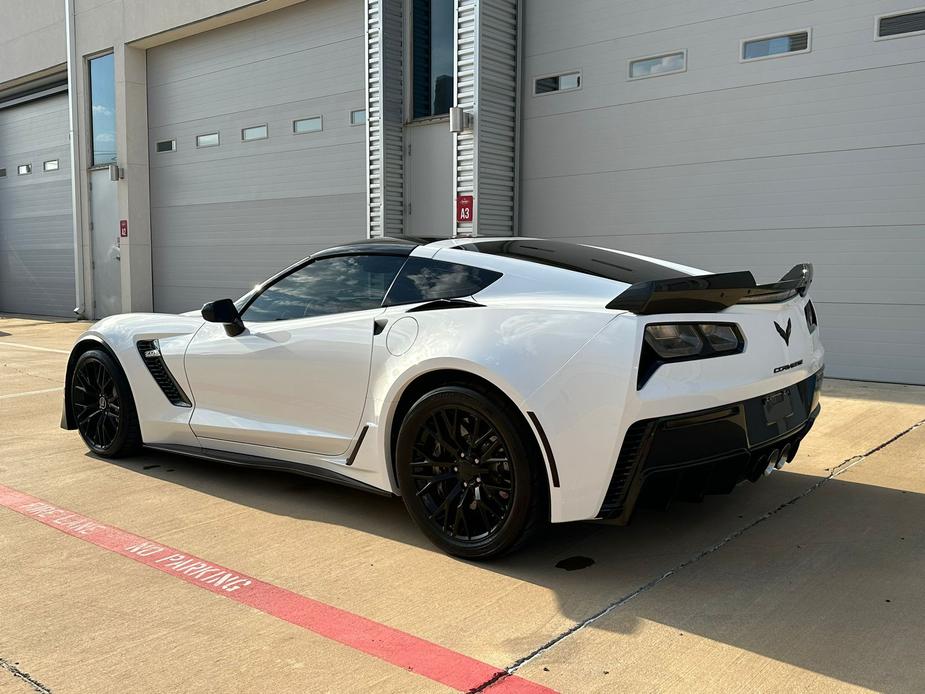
(711, 293)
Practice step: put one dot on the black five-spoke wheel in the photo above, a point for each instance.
(465, 473)
(102, 405)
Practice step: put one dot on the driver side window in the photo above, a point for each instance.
(327, 286)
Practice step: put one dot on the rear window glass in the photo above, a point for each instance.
(578, 258)
(424, 279)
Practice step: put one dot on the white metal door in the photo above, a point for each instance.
(104, 218)
(429, 200)
(294, 384)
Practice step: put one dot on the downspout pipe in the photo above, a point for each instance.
(518, 114)
(74, 135)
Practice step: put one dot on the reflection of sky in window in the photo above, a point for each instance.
(432, 57)
(766, 47)
(103, 109)
(327, 286)
(427, 280)
(657, 66)
(441, 45)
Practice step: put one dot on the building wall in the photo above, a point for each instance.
(732, 165)
(32, 38)
(728, 165)
(33, 41)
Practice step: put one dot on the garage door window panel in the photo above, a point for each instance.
(655, 66)
(207, 140)
(550, 84)
(255, 132)
(325, 287)
(901, 24)
(307, 125)
(776, 46)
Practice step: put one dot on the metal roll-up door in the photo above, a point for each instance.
(231, 211)
(36, 232)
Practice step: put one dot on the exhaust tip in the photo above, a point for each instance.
(773, 462)
(769, 467)
(784, 457)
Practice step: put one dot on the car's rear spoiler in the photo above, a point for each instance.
(710, 293)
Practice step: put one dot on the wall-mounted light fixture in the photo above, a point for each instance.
(459, 119)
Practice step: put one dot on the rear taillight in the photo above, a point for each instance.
(664, 343)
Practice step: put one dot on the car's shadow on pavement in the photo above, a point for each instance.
(833, 582)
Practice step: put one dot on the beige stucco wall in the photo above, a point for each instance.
(31, 37)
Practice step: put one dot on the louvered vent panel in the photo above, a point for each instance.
(799, 42)
(629, 454)
(150, 355)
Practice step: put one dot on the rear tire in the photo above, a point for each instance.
(467, 475)
(103, 407)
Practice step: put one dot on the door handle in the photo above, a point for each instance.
(379, 325)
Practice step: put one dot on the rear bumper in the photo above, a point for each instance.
(709, 451)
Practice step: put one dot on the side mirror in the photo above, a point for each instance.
(224, 311)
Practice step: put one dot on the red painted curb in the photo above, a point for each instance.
(391, 645)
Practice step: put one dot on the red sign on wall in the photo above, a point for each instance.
(464, 208)
(123, 228)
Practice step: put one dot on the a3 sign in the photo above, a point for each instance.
(465, 208)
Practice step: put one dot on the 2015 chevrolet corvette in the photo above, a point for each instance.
(494, 384)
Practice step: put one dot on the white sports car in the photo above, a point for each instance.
(494, 384)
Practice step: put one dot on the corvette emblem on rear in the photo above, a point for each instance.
(784, 334)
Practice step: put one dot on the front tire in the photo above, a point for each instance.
(466, 473)
(103, 407)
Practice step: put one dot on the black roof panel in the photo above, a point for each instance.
(577, 258)
(386, 245)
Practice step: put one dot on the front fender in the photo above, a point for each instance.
(160, 421)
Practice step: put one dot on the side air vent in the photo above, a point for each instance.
(626, 463)
(899, 24)
(151, 355)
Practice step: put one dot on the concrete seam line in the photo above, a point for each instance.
(24, 676)
(840, 469)
(59, 389)
(19, 345)
(390, 645)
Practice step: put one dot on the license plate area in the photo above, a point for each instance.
(778, 406)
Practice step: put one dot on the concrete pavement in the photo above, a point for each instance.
(779, 586)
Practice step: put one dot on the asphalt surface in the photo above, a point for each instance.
(811, 580)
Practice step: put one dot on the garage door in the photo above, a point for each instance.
(36, 237)
(255, 162)
(815, 155)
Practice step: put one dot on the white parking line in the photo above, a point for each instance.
(38, 349)
(59, 389)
